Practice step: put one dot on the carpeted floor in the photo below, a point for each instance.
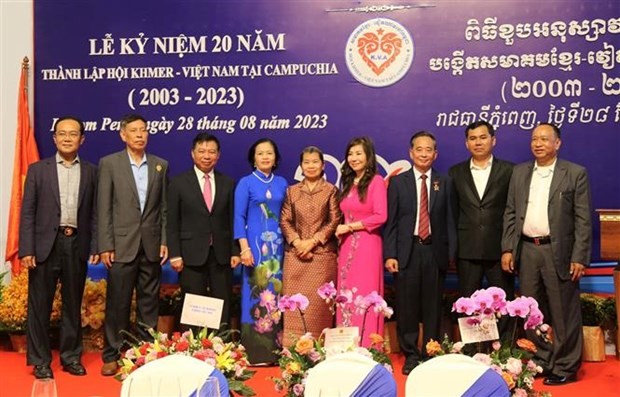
(595, 379)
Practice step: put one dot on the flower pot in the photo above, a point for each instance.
(593, 344)
(165, 324)
(18, 342)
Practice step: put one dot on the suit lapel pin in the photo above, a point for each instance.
(158, 167)
(436, 186)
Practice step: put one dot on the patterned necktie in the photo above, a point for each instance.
(424, 225)
(206, 192)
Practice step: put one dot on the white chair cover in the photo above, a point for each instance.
(175, 375)
(454, 375)
(349, 374)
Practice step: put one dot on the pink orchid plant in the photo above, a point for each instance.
(491, 303)
(295, 302)
(306, 351)
(350, 303)
(512, 361)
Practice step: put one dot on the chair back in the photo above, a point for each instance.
(349, 374)
(174, 375)
(455, 375)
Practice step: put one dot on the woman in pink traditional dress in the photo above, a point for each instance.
(363, 202)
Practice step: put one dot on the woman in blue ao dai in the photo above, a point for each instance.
(258, 200)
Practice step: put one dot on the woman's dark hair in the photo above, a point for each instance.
(348, 175)
(252, 152)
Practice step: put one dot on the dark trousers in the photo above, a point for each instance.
(419, 288)
(210, 279)
(62, 264)
(471, 273)
(142, 275)
(560, 304)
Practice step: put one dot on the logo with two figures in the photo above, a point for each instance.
(379, 52)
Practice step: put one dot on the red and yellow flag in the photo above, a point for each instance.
(26, 153)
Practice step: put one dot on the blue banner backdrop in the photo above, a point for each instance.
(321, 72)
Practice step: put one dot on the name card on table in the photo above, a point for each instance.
(202, 311)
(341, 339)
(475, 330)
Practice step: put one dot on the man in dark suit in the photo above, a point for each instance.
(56, 238)
(131, 208)
(548, 238)
(480, 190)
(200, 221)
(419, 242)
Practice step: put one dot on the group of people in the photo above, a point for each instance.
(485, 216)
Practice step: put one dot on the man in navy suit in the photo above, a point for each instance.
(419, 242)
(548, 238)
(56, 238)
(200, 222)
(480, 191)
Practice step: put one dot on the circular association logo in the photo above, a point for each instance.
(379, 52)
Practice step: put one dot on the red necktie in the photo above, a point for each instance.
(424, 225)
(206, 193)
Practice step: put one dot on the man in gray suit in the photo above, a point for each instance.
(548, 237)
(56, 237)
(131, 207)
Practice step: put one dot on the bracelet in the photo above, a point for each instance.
(244, 251)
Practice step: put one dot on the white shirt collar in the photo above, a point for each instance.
(201, 174)
(59, 159)
(418, 174)
(474, 166)
(550, 167)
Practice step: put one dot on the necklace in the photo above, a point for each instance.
(268, 181)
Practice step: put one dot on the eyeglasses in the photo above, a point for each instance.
(70, 134)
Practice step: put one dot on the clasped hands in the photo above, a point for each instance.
(303, 248)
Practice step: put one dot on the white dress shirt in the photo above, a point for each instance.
(481, 175)
(536, 222)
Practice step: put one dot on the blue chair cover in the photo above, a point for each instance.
(378, 383)
(206, 391)
(490, 384)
